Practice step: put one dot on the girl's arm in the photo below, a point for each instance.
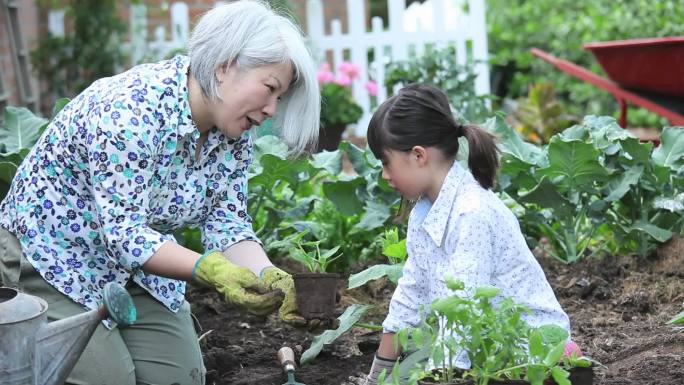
(387, 349)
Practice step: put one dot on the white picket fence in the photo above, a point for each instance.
(437, 23)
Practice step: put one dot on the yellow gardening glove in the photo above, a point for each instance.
(278, 279)
(238, 285)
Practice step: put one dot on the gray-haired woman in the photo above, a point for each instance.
(138, 155)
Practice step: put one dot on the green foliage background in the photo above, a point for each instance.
(561, 27)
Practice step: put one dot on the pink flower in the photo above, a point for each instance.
(324, 75)
(572, 347)
(372, 88)
(350, 69)
(343, 80)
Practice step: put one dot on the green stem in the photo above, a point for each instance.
(369, 326)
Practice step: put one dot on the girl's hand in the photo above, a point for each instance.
(379, 364)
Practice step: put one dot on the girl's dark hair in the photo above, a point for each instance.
(420, 115)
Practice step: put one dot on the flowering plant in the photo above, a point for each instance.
(338, 105)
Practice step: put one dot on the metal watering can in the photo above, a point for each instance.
(35, 352)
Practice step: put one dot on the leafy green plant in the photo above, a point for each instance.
(437, 67)
(498, 343)
(541, 115)
(561, 27)
(337, 103)
(90, 50)
(594, 188)
(678, 319)
(18, 134)
(289, 196)
(395, 251)
(309, 253)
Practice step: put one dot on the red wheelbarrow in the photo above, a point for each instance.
(646, 72)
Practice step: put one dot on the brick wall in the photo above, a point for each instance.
(33, 23)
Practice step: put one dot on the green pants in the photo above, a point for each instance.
(160, 348)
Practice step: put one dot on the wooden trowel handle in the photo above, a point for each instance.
(286, 358)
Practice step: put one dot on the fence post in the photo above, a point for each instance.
(480, 50)
(138, 31)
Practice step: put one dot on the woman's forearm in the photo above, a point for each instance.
(177, 262)
(249, 254)
(172, 261)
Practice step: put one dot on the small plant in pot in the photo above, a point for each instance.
(317, 289)
(477, 340)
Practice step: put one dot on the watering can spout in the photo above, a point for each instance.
(59, 345)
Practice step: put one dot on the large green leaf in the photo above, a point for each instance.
(343, 194)
(670, 153)
(511, 143)
(620, 185)
(59, 104)
(674, 204)
(350, 316)
(374, 216)
(8, 168)
(21, 130)
(328, 160)
(659, 234)
(573, 165)
(546, 195)
(275, 169)
(393, 273)
(269, 144)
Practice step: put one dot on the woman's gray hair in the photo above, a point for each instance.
(251, 34)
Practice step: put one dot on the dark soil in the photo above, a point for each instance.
(618, 308)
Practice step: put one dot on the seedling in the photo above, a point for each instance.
(393, 248)
(309, 253)
(494, 341)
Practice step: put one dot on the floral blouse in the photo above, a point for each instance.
(114, 174)
(469, 234)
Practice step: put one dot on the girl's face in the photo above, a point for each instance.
(248, 96)
(404, 172)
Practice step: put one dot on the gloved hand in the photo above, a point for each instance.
(379, 364)
(238, 285)
(276, 278)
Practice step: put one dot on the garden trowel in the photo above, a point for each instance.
(286, 358)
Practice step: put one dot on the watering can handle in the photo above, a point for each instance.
(286, 358)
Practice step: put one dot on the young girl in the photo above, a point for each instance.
(458, 226)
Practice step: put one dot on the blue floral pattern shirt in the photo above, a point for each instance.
(114, 174)
(469, 234)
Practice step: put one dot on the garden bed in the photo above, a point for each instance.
(618, 308)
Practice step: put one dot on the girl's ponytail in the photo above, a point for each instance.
(483, 154)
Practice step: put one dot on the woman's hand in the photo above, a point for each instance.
(276, 278)
(238, 285)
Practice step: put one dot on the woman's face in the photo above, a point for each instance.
(248, 96)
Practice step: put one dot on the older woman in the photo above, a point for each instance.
(138, 155)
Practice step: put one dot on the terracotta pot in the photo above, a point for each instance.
(578, 376)
(316, 294)
(330, 136)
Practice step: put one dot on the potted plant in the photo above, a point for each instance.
(468, 340)
(338, 107)
(317, 289)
